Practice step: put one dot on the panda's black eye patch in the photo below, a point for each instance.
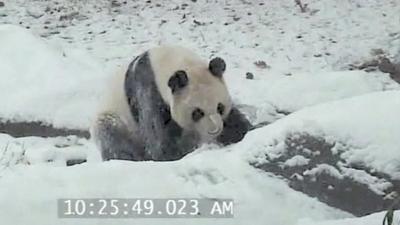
(197, 114)
(178, 81)
(221, 108)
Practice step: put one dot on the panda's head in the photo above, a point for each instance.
(199, 98)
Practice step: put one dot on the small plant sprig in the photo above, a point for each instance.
(388, 219)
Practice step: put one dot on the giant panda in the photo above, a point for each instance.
(167, 102)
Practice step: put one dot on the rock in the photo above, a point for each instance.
(261, 64)
(69, 16)
(2, 4)
(198, 23)
(115, 3)
(249, 76)
(236, 18)
(35, 12)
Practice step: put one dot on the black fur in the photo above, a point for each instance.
(178, 81)
(236, 126)
(217, 66)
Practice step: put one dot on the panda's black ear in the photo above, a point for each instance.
(217, 67)
(178, 81)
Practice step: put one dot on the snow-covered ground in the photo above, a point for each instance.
(54, 65)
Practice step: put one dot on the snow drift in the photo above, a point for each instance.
(39, 82)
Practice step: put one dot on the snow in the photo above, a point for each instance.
(324, 168)
(198, 175)
(370, 132)
(297, 160)
(268, 31)
(373, 219)
(35, 150)
(54, 83)
(56, 72)
(375, 184)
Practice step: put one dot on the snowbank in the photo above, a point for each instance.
(368, 125)
(272, 94)
(345, 152)
(205, 174)
(42, 83)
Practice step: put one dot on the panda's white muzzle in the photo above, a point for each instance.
(215, 125)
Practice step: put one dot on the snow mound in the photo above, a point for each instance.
(368, 125)
(272, 95)
(42, 83)
(345, 153)
(205, 174)
(36, 150)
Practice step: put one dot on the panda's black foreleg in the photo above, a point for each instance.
(236, 126)
(115, 140)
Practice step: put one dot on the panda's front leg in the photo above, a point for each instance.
(163, 140)
(236, 126)
(115, 139)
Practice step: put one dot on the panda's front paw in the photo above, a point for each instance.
(109, 120)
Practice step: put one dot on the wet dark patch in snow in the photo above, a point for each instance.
(381, 63)
(393, 69)
(73, 162)
(25, 129)
(329, 183)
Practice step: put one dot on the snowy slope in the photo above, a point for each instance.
(68, 84)
(42, 83)
(53, 68)
(330, 35)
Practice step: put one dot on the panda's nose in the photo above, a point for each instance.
(216, 125)
(214, 132)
